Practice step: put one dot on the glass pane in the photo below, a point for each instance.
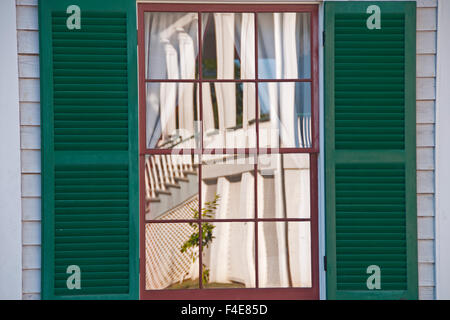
(285, 114)
(284, 255)
(228, 255)
(228, 46)
(171, 187)
(284, 48)
(172, 115)
(229, 115)
(171, 45)
(228, 187)
(284, 186)
(169, 263)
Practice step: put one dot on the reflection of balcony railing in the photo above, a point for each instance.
(163, 171)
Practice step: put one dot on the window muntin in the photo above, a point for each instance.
(238, 159)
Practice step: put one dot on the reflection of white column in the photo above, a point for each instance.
(262, 249)
(300, 253)
(246, 206)
(208, 112)
(280, 227)
(287, 90)
(168, 93)
(225, 92)
(186, 97)
(219, 245)
(248, 72)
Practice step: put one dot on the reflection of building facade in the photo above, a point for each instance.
(284, 247)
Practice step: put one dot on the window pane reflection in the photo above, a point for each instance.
(284, 254)
(172, 115)
(171, 187)
(228, 46)
(170, 264)
(171, 45)
(228, 180)
(229, 115)
(285, 114)
(284, 186)
(284, 47)
(228, 255)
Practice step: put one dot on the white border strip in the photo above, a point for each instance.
(10, 177)
(442, 172)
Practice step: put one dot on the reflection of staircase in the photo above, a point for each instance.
(169, 181)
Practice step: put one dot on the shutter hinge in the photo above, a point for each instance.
(323, 38)
(325, 263)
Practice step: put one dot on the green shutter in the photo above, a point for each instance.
(90, 198)
(370, 156)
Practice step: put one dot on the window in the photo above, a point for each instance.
(228, 151)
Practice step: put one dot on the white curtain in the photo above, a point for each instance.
(171, 43)
(283, 53)
(233, 32)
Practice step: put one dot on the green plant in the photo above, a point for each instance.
(208, 212)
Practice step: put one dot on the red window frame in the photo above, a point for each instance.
(313, 150)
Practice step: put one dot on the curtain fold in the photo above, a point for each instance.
(283, 53)
(171, 51)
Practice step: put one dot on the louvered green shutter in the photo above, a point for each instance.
(370, 147)
(89, 126)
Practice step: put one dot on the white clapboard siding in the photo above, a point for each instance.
(27, 18)
(31, 257)
(426, 250)
(31, 233)
(31, 161)
(426, 42)
(29, 66)
(425, 228)
(425, 112)
(28, 42)
(426, 274)
(425, 135)
(425, 181)
(425, 205)
(29, 90)
(31, 296)
(31, 209)
(27, 2)
(31, 281)
(425, 158)
(426, 65)
(426, 3)
(31, 185)
(30, 114)
(426, 88)
(29, 96)
(426, 293)
(30, 137)
(426, 18)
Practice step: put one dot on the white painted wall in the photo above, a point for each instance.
(10, 207)
(28, 48)
(443, 153)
